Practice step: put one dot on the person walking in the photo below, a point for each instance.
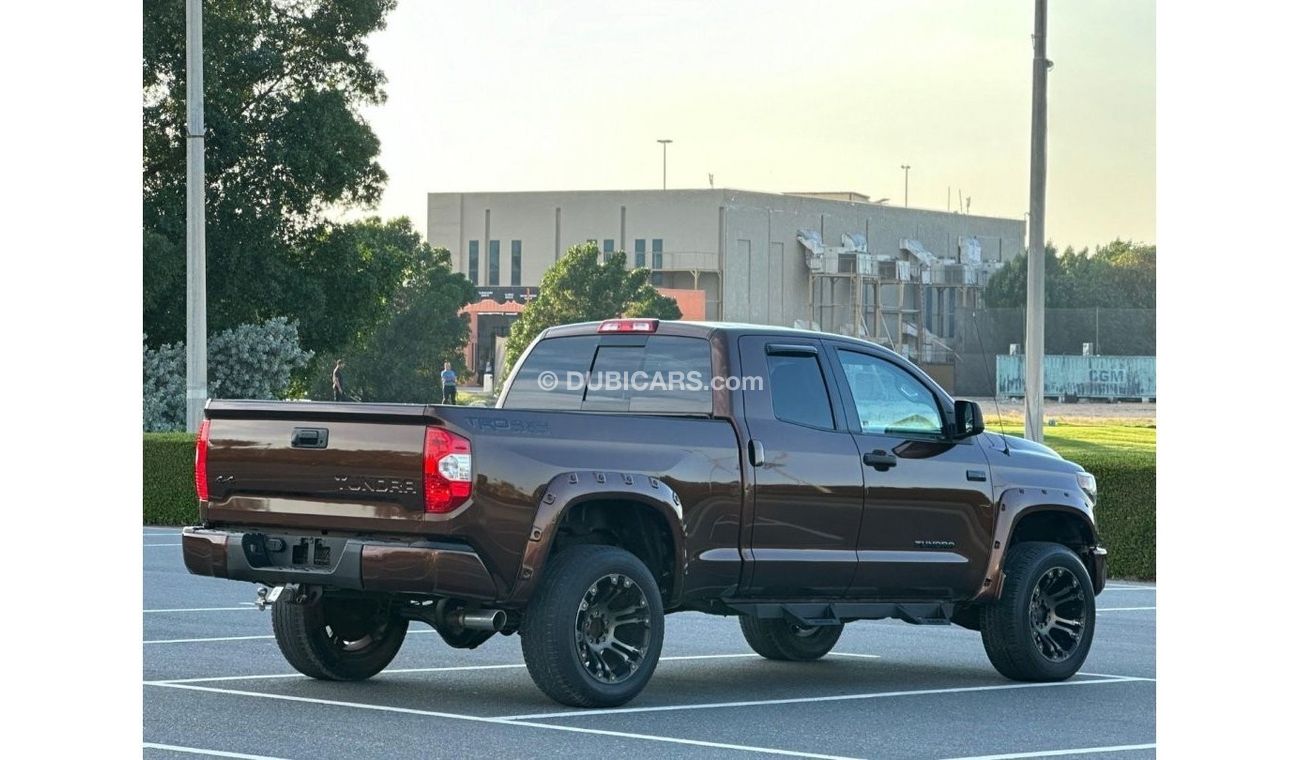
(448, 384)
(336, 380)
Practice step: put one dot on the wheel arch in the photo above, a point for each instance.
(637, 512)
(1065, 518)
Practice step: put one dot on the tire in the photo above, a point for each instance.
(338, 640)
(1045, 583)
(778, 639)
(575, 651)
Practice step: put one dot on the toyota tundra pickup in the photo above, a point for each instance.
(633, 468)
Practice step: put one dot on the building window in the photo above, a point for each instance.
(607, 249)
(473, 262)
(656, 254)
(639, 256)
(516, 261)
(494, 262)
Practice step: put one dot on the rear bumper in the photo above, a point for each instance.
(364, 564)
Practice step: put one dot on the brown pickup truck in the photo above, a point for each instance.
(633, 468)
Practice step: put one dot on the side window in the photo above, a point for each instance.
(799, 390)
(888, 399)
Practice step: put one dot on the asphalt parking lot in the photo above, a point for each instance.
(216, 685)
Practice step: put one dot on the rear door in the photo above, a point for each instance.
(807, 494)
(928, 524)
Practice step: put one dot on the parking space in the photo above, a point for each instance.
(215, 684)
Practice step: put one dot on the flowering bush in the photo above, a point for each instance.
(249, 361)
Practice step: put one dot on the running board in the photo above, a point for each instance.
(837, 613)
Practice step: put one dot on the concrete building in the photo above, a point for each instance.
(897, 276)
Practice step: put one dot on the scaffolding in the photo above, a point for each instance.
(889, 298)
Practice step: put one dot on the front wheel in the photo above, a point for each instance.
(1041, 628)
(777, 639)
(338, 639)
(594, 628)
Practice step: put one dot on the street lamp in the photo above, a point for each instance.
(665, 144)
(907, 169)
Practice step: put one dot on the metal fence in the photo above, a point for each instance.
(984, 334)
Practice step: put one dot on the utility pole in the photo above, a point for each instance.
(196, 288)
(907, 170)
(665, 144)
(1034, 314)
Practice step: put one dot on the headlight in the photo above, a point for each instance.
(1088, 483)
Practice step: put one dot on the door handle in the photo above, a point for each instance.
(880, 459)
(756, 454)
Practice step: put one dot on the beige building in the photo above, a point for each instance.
(832, 260)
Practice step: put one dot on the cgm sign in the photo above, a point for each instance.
(1108, 377)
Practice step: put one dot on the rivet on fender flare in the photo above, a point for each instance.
(549, 498)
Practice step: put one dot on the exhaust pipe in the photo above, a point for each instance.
(478, 620)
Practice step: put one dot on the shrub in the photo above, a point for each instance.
(249, 361)
(169, 497)
(1126, 513)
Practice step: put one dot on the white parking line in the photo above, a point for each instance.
(1059, 752)
(241, 638)
(1152, 589)
(455, 668)
(502, 722)
(1122, 609)
(207, 752)
(833, 698)
(204, 609)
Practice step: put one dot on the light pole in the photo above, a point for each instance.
(1034, 301)
(907, 170)
(665, 144)
(196, 288)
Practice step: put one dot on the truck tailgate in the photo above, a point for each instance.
(317, 465)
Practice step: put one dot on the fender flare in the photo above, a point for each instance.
(1014, 505)
(569, 489)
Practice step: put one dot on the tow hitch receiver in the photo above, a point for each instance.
(292, 593)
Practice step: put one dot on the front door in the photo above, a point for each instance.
(927, 527)
(807, 495)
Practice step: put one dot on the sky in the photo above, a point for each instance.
(775, 96)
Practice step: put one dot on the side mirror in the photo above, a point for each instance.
(970, 420)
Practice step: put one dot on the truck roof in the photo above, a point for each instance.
(705, 329)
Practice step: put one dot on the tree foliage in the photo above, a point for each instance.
(419, 329)
(1118, 275)
(284, 81)
(582, 288)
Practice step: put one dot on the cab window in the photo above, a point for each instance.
(890, 400)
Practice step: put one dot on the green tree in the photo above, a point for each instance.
(582, 288)
(284, 82)
(1118, 275)
(420, 328)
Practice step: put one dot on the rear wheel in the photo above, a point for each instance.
(594, 628)
(778, 639)
(1041, 629)
(338, 639)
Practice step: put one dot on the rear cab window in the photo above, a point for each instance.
(646, 374)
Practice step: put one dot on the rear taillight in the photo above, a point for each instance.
(447, 470)
(201, 462)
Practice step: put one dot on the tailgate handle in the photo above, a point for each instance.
(310, 438)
